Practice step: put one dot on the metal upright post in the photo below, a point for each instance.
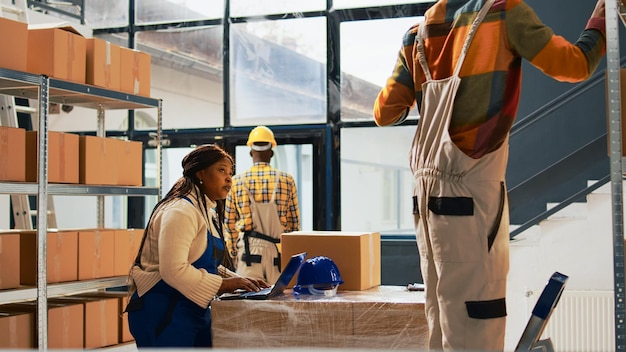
(160, 148)
(617, 171)
(42, 218)
(100, 132)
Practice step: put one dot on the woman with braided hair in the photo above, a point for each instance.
(181, 264)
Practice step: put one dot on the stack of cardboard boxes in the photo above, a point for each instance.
(63, 53)
(75, 322)
(72, 159)
(71, 255)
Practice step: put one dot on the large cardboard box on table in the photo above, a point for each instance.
(62, 157)
(103, 64)
(384, 317)
(61, 256)
(16, 330)
(12, 153)
(15, 39)
(96, 250)
(65, 323)
(250, 323)
(135, 72)
(58, 53)
(9, 259)
(357, 254)
(100, 316)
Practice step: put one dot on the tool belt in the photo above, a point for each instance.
(256, 258)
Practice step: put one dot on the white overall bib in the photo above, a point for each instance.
(461, 220)
(259, 257)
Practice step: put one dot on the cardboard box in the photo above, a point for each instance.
(58, 53)
(16, 330)
(256, 324)
(122, 297)
(127, 242)
(394, 323)
(62, 157)
(135, 72)
(9, 260)
(98, 160)
(96, 248)
(16, 42)
(100, 317)
(61, 257)
(65, 323)
(383, 317)
(357, 254)
(130, 160)
(103, 64)
(12, 153)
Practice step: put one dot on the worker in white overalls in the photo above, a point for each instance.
(262, 205)
(462, 232)
(462, 66)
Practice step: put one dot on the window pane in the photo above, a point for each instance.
(278, 72)
(295, 159)
(150, 11)
(84, 119)
(343, 4)
(375, 170)
(50, 10)
(186, 72)
(82, 212)
(240, 8)
(361, 78)
(106, 13)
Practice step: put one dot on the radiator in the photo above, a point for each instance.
(582, 321)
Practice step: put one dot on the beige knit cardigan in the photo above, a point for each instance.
(177, 236)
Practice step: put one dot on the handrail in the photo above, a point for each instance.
(545, 111)
(563, 99)
(577, 196)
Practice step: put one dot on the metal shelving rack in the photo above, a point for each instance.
(46, 90)
(615, 11)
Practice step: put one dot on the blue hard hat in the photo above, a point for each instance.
(318, 275)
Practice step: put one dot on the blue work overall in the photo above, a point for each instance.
(169, 319)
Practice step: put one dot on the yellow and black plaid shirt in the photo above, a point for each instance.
(260, 179)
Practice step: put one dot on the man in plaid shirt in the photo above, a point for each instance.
(262, 204)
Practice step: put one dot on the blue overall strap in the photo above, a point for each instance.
(212, 256)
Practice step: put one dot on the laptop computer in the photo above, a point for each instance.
(292, 267)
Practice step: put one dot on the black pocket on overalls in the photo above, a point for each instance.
(486, 309)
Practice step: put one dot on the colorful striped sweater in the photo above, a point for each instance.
(488, 97)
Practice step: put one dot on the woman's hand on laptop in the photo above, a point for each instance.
(230, 284)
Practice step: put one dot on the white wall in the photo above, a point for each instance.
(577, 242)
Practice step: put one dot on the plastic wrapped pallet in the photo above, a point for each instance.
(385, 317)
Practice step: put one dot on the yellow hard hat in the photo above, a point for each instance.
(261, 134)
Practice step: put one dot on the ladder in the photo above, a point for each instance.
(550, 296)
(22, 212)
